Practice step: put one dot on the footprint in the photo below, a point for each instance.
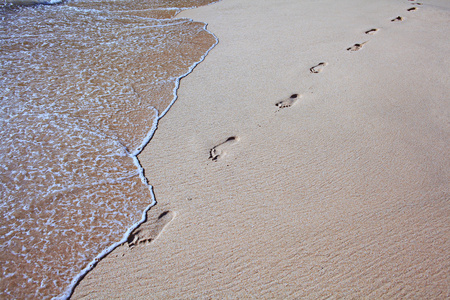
(147, 232)
(356, 47)
(218, 151)
(288, 102)
(318, 68)
(412, 9)
(398, 19)
(372, 31)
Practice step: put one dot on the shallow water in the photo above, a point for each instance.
(81, 86)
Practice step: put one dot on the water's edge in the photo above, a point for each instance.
(134, 155)
(30, 2)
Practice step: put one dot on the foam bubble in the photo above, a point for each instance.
(84, 92)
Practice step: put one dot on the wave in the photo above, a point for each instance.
(28, 2)
(86, 84)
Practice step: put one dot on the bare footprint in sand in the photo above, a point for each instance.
(219, 151)
(356, 47)
(372, 31)
(288, 102)
(398, 19)
(412, 9)
(318, 68)
(148, 231)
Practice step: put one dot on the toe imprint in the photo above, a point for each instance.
(219, 151)
(356, 47)
(398, 19)
(288, 102)
(372, 31)
(147, 232)
(318, 68)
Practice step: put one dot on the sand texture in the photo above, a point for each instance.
(306, 157)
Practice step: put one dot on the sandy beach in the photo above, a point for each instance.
(306, 157)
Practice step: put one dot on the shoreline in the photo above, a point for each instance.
(134, 155)
(247, 184)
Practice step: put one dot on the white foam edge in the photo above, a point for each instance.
(68, 293)
(30, 2)
(76, 280)
(175, 96)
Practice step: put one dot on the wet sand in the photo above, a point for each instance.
(306, 157)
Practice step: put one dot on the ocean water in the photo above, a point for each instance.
(82, 86)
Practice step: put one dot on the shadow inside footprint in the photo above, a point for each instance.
(398, 19)
(412, 9)
(318, 68)
(356, 47)
(219, 151)
(150, 231)
(372, 31)
(288, 102)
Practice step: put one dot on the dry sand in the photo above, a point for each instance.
(341, 192)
